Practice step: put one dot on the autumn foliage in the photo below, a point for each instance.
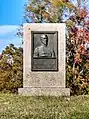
(75, 13)
(79, 39)
(11, 73)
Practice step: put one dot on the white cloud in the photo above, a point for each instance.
(7, 36)
(16, 41)
(6, 29)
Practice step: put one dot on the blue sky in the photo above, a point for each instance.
(11, 11)
(11, 14)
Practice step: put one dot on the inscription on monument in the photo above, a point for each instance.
(44, 51)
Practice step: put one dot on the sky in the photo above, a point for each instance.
(11, 14)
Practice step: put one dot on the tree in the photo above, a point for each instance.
(76, 16)
(77, 25)
(11, 69)
(48, 11)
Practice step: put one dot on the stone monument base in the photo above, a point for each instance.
(44, 91)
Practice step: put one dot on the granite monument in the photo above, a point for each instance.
(44, 60)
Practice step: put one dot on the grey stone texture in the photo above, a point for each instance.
(46, 83)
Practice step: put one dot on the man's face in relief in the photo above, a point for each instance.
(43, 50)
(44, 40)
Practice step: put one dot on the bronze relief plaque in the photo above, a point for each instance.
(44, 51)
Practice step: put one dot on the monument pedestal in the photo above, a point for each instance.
(44, 91)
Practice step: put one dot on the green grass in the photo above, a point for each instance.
(20, 107)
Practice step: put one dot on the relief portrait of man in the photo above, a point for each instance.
(44, 50)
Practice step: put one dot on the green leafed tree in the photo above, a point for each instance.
(48, 11)
(11, 69)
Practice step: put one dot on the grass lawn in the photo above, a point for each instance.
(20, 107)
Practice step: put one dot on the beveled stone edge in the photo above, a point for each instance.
(44, 91)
